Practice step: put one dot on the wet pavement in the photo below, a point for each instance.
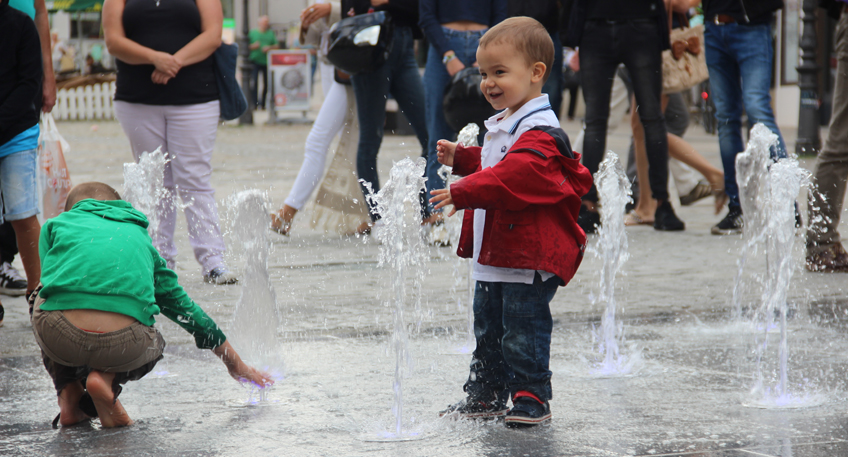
(689, 396)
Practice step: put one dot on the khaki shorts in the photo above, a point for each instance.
(70, 353)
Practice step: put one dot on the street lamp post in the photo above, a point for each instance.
(809, 139)
(246, 68)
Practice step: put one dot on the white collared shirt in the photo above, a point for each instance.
(501, 135)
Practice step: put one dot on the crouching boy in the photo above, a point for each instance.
(102, 283)
(521, 193)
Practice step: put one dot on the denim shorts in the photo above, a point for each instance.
(18, 190)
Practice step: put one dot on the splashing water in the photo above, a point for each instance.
(767, 195)
(614, 193)
(461, 267)
(402, 246)
(144, 186)
(256, 320)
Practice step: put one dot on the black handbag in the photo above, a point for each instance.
(463, 102)
(233, 103)
(361, 44)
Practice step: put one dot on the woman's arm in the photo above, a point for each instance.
(48, 86)
(128, 50)
(203, 45)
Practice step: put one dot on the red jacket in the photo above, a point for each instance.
(531, 197)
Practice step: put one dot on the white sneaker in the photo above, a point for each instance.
(11, 281)
(220, 276)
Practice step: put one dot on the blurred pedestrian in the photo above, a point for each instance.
(167, 97)
(262, 40)
(453, 31)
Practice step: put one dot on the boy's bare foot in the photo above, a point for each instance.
(110, 410)
(69, 410)
(281, 220)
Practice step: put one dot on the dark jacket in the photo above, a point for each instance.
(544, 11)
(579, 12)
(20, 73)
(404, 12)
(531, 197)
(833, 7)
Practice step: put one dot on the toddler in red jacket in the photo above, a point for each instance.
(521, 192)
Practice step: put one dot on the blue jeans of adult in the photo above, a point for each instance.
(398, 76)
(512, 325)
(635, 43)
(555, 83)
(739, 59)
(436, 79)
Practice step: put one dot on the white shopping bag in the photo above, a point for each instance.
(54, 181)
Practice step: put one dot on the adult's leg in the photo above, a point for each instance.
(436, 78)
(144, 126)
(406, 87)
(254, 83)
(641, 54)
(676, 123)
(831, 172)
(20, 206)
(191, 133)
(726, 91)
(489, 375)
(598, 62)
(263, 74)
(527, 326)
(8, 242)
(554, 85)
(619, 103)
(328, 124)
(754, 55)
(371, 90)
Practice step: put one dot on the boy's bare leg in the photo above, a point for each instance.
(27, 232)
(110, 411)
(69, 398)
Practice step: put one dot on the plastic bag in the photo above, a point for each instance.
(54, 181)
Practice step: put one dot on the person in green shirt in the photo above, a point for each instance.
(262, 40)
(102, 283)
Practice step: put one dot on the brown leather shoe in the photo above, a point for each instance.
(831, 260)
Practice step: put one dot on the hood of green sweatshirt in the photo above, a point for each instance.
(116, 210)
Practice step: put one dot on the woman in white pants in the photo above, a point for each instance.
(167, 97)
(331, 117)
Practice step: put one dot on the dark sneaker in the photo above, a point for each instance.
(588, 220)
(220, 276)
(702, 190)
(731, 224)
(666, 220)
(2, 313)
(527, 410)
(11, 281)
(832, 260)
(476, 408)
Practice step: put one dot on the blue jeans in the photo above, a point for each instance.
(554, 85)
(739, 58)
(436, 79)
(398, 76)
(512, 324)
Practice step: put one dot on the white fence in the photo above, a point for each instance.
(85, 102)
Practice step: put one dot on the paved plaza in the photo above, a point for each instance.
(691, 394)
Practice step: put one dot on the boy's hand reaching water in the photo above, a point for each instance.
(443, 196)
(446, 150)
(239, 370)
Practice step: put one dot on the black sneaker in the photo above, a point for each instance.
(731, 224)
(2, 313)
(588, 220)
(666, 220)
(527, 411)
(11, 281)
(476, 408)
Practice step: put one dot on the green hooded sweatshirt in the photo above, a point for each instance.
(99, 256)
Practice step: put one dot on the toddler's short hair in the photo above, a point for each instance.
(528, 36)
(95, 190)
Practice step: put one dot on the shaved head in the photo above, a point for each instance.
(94, 190)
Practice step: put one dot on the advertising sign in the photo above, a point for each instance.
(289, 73)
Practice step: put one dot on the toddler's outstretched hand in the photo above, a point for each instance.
(239, 370)
(445, 150)
(443, 197)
